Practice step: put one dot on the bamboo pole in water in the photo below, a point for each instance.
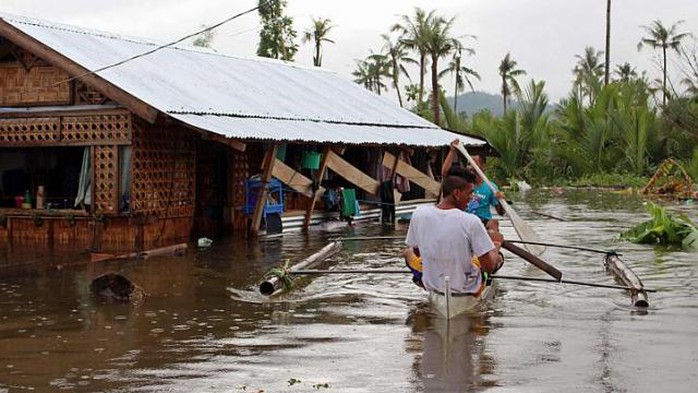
(496, 276)
(271, 285)
(622, 272)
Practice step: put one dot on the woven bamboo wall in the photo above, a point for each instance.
(117, 233)
(109, 127)
(37, 86)
(164, 171)
(66, 230)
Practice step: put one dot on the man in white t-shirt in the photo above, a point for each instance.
(448, 238)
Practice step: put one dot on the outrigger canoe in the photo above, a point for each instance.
(449, 305)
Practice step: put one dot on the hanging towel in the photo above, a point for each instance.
(348, 202)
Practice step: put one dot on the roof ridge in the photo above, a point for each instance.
(143, 41)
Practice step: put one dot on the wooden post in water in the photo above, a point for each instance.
(272, 285)
(623, 273)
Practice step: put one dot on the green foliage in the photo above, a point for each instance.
(318, 34)
(664, 229)
(691, 166)
(679, 128)
(609, 180)
(616, 132)
(293, 381)
(370, 72)
(277, 34)
(453, 121)
(281, 273)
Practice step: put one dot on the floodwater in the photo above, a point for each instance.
(204, 328)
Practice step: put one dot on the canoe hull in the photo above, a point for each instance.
(451, 306)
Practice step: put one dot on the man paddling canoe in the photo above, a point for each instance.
(448, 238)
(483, 196)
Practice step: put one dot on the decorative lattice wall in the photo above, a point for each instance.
(106, 178)
(40, 85)
(164, 170)
(107, 128)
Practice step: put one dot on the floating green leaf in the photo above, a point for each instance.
(664, 229)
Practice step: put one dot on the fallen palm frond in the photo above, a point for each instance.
(664, 229)
(670, 179)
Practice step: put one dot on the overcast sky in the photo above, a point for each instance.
(543, 36)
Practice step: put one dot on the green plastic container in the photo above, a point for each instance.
(311, 160)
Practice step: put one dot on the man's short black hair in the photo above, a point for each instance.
(461, 172)
(456, 178)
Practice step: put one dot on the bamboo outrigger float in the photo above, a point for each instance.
(274, 285)
(622, 272)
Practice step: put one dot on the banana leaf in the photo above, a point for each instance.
(664, 229)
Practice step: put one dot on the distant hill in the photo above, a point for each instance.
(473, 102)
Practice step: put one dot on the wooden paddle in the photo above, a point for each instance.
(524, 231)
(534, 260)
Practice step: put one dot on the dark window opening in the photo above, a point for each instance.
(56, 169)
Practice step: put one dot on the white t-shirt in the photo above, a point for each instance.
(447, 241)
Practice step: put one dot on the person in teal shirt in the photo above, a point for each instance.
(483, 197)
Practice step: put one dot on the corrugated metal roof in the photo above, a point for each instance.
(248, 98)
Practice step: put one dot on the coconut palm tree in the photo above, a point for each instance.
(661, 37)
(362, 74)
(318, 34)
(508, 72)
(439, 44)
(397, 58)
(607, 61)
(414, 34)
(625, 72)
(371, 71)
(459, 71)
(588, 72)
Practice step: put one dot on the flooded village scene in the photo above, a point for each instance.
(321, 196)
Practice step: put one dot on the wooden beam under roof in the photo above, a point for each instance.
(411, 173)
(212, 136)
(294, 179)
(343, 168)
(47, 53)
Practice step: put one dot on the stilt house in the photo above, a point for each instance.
(113, 142)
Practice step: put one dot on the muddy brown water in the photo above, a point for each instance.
(204, 328)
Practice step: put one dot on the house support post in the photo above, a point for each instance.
(319, 191)
(267, 167)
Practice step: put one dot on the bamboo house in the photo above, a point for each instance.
(181, 142)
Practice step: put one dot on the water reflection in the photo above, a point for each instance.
(454, 354)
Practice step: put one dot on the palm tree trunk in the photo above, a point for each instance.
(664, 80)
(435, 91)
(455, 96)
(504, 95)
(606, 76)
(422, 60)
(397, 88)
(317, 59)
